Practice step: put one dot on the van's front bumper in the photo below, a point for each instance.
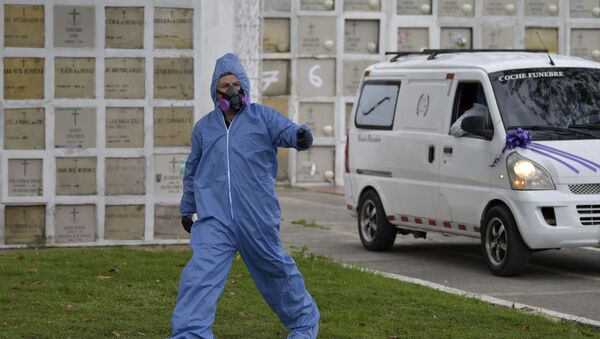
(573, 228)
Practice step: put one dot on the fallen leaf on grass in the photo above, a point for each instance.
(32, 270)
(115, 333)
(84, 319)
(4, 324)
(67, 307)
(393, 337)
(246, 314)
(142, 334)
(103, 277)
(30, 282)
(113, 270)
(524, 327)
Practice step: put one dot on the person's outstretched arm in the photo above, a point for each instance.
(285, 133)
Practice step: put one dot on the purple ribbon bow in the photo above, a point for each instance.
(522, 138)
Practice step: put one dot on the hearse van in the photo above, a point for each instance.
(499, 145)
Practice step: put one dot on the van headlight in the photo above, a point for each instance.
(525, 174)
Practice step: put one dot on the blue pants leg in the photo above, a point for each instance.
(278, 280)
(202, 281)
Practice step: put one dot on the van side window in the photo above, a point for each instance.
(469, 101)
(377, 105)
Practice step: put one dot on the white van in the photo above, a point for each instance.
(411, 168)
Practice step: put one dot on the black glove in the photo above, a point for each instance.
(303, 139)
(186, 222)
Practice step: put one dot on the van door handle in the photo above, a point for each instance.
(431, 153)
(448, 150)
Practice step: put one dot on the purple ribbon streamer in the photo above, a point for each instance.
(522, 138)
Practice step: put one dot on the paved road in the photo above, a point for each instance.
(566, 281)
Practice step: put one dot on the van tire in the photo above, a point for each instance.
(504, 250)
(376, 233)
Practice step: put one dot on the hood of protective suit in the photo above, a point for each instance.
(229, 63)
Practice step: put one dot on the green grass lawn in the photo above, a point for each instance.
(120, 292)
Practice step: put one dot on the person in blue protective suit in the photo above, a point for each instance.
(229, 183)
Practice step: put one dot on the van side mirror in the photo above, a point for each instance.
(476, 125)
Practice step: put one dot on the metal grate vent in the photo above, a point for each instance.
(585, 188)
(589, 215)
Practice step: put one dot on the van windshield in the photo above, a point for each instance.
(552, 103)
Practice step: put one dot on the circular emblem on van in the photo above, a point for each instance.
(423, 105)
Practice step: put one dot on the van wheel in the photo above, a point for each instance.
(501, 243)
(376, 233)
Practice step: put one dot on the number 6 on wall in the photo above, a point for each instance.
(315, 80)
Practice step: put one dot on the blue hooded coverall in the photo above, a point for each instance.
(229, 182)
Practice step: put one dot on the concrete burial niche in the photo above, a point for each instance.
(124, 222)
(74, 223)
(24, 26)
(24, 128)
(75, 127)
(74, 26)
(24, 225)
(124, 78)
(124, 127)
(124, 27)
(167, 223)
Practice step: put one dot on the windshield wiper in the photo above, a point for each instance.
(375, 106)
(554, 129)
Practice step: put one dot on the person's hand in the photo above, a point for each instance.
(303, 139)
(186, 222)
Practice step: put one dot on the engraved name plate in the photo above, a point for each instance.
(316, 77)
(361, 36)
(458, 8)
(75, 78)
(167, 223)
(316, 35)
(173, 126)
(413, 39)
(316, 165)
(74, 26)
(455, 38)
(124, 27)
(413, 7)
(24, 26)
(76, 176)
(318, 116)
(174, 78)
(125, 176)
(541, 7)
(362, 5)
(124, 222)
(168, 170)
(124, 127)
(276, 35)
(585, 43)
(584, 8)
(499, 7)
(501, 38)
(75, 127)
(25, 177)
(353, 71)
(75, 223)
(24, 225)
(317, 5)
(23, 78)
(24, 128)
(173, 27)
(124, 78)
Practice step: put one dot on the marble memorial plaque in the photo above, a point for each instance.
(275, 75)
(24, 225)
(277, 5)
(548, 35)
(585, 8)
(167, 223)
(585, 43)
(458, 8)
(76, 176)
(124, 222)
(174, 78)
(317, 5)
(499, 7)
(318, 116)
(413, 39)
(316, 165)
(23, 78)
(173, 126)
(316, 77)
(316, 35)
(455, 38)
(413, 7)
(173, 27)
(25, 177)
(75, 223)
(124, 127)
(124, 27)
(124, 78)
(361, 36)
(125, 176)
(74, 26)
(496, 37)
(168, 170)
(541, 7)
(24, 128)
(352, 74)
(276, 35)
(75, 78)
(362, 5)
(24, 26)
(75, 127)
